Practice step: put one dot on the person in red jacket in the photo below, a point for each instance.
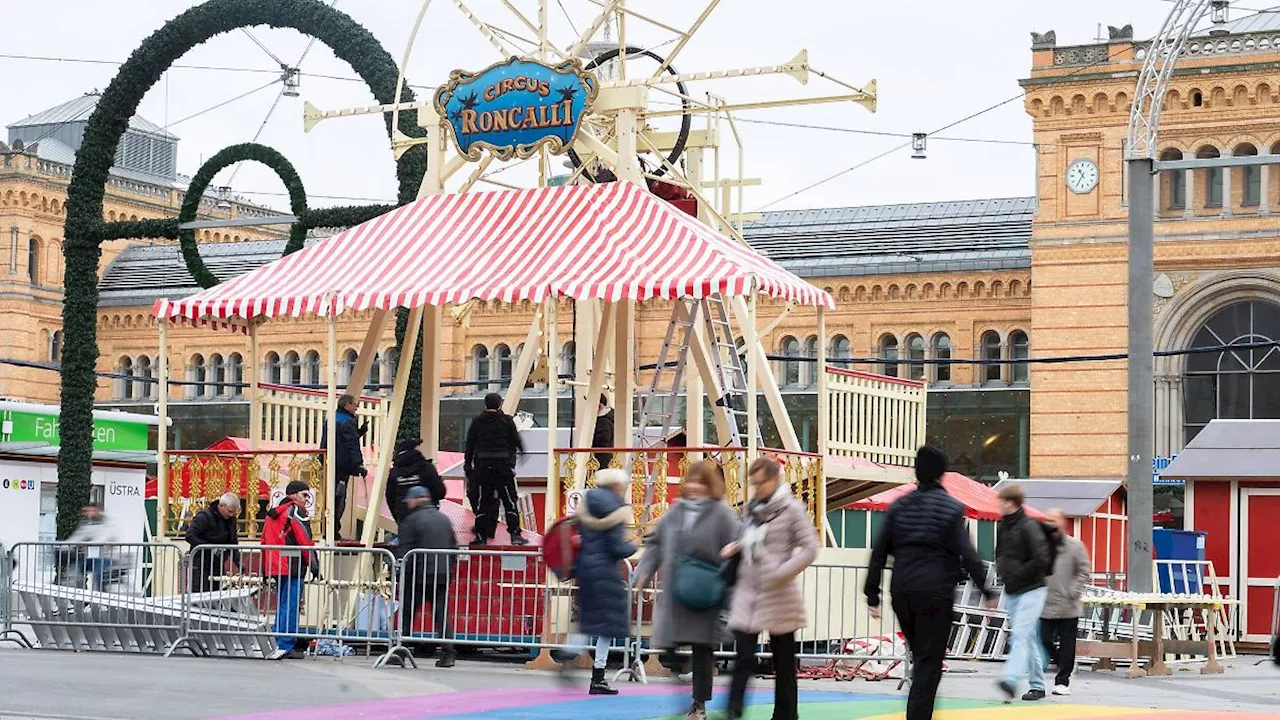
(286, 527)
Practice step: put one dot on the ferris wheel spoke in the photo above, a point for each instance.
(485, 30)
(686, 36)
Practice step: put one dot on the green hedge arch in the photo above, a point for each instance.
(224, 158)
(85, 230)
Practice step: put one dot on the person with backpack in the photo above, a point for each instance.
(925, 533)
(1024, 558)
(1060, 619)
(696, 532)
(410, 469)
(603, 519)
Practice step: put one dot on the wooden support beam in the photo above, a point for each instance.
(162, 433)
(524, 365)
(432, 360)
(758, 358)
(587, 408)
(700, 352)
(624, 375)
(364, 361)
(551, 508)
(331, 429)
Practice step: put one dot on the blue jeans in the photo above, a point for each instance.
(1026, 654)
(288, 596)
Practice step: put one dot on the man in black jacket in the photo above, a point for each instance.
(426, 575)
(348, 457)
(214, 525)
(1023, 561)
(925, 533)
(410, 468)
(603, 435)
(493, 442)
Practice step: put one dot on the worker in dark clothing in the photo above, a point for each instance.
(410, 468)
(214, 525)
(348, 457)
(493, 442)
(426, 574)
(925, 533)
(603, 436)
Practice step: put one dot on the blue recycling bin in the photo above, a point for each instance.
(1186, 546)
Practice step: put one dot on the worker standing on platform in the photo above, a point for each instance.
(1024, 559)
(493, 443)
(1060, 619)
(925, 533)
(348, 457)
(603, 435)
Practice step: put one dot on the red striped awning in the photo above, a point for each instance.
(610, 241)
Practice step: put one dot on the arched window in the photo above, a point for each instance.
(809, 370)
(1236, 384)
(991, 371)
(502, 365)
(1251, 175)
(55, 347)
(347, 367)
(375, 371)
(272, 368)
(391, 363)
(1212, 178)
(480, 366)
(142, 370)
(199, 375)
(1020, 349)
(218, 368)
(790, 375)
(889, 353)
(311, 367)
(292, 369)
(941, 350)
(235, 374)
(33, 260)
(1173, 183)
(125, 382)
(915, 353)
(568, 359)
(840, 349)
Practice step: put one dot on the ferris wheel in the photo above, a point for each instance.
(646, 120)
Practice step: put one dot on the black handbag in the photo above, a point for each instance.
(729, 570)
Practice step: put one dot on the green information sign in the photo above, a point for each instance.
(25, 427)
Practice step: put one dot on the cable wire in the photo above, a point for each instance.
(224, 103)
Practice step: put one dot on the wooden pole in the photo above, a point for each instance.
(751, 340)
(255, 392)
(389, 428)
(364, 361)
(432, 359)
(824, 423)
(768, 384)
(162, 433)
(331, 457)
(587, 409)
(624, 348)
(552, 504)
(524, 365)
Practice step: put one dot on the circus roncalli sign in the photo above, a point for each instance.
(515, 107)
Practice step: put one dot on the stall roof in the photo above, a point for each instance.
(1230, 449)
(605, 242)
(979, 500)
(1075, 497)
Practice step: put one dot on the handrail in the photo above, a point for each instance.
(313, 392)
(873, 376)
(248, 453)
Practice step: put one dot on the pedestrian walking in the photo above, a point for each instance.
(1023, 559)
(348, 457)
(101, 558)
(285, 532)
(603, 521)
(700, 527)
(427, 575)
(603, 435)
(1063, 605)
(410, 468)
(778, 543)
(214, 525)
(925, 533)
(493, 442)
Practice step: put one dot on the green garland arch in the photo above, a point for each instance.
(195, 192)
(85, 230)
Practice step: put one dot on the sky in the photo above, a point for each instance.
(935, 61)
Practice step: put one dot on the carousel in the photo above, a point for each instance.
(650, 213)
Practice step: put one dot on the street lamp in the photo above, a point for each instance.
(919, 141)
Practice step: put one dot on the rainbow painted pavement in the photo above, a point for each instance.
(667, 702)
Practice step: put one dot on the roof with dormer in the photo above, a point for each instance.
(79, 109)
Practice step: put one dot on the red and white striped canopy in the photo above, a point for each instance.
(606, 242)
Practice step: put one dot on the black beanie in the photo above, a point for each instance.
(296, 486)
(405, 446)
(492, 401)
(931, 463)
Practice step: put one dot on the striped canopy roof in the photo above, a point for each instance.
(606, 242)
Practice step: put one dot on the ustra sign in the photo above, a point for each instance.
(515, 107)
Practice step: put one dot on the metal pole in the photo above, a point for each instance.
(1141, 393)
(162, 434)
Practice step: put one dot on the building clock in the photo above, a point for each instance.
(1082, 176)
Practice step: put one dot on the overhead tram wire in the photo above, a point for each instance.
(224, 103)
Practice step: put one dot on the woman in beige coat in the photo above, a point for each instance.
(778, 543)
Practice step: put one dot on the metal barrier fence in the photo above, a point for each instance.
(106, 596)
(261, 601)
(7, 632)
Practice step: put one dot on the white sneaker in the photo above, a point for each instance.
(1061, 690)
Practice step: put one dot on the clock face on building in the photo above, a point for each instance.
(1082, 176)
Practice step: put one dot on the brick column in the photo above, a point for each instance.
(1227, 172)
(1264, 201)
(1189, 183)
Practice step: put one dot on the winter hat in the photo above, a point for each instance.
(415, 492)
(296, 486)
(931, 463)
(604, 400)
(406, 445)
(492, 401)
